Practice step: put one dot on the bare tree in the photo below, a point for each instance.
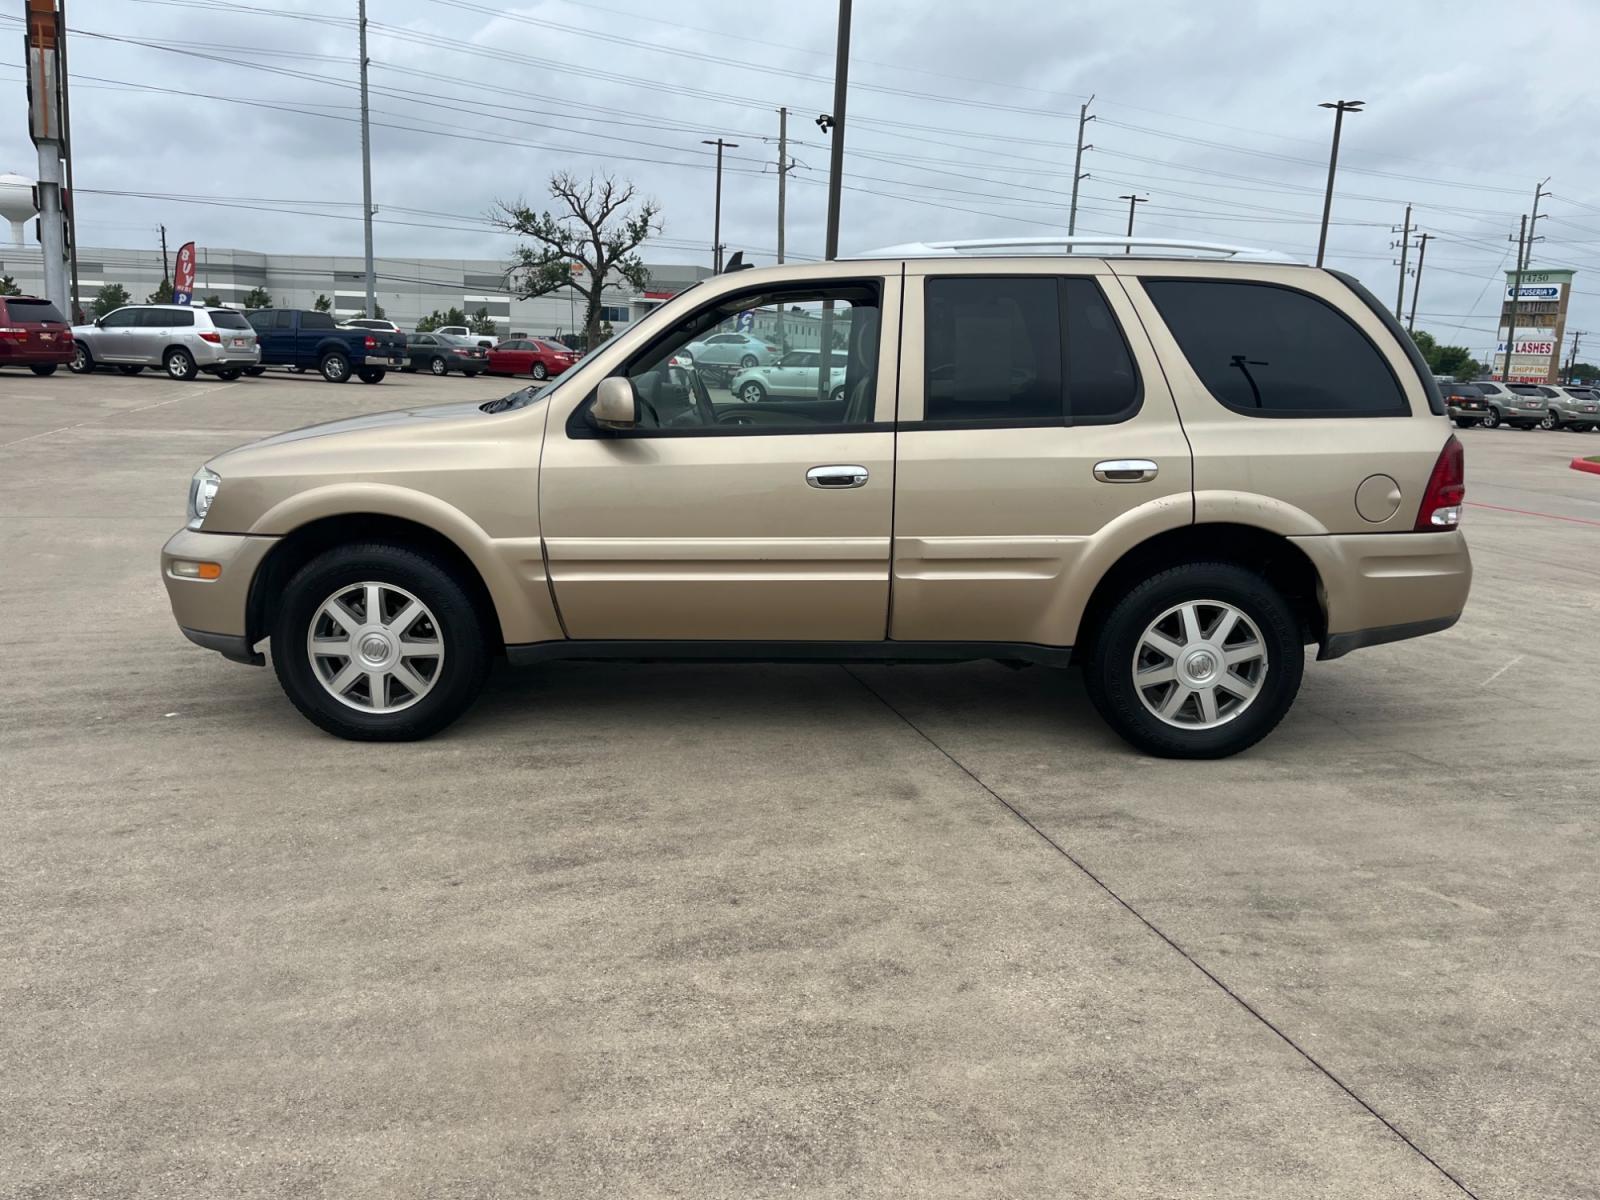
(597, 231)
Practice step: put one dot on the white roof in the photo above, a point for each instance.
(1091, 245)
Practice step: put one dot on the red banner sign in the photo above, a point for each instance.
(183, 275)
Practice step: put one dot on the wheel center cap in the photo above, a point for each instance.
(374, 648)
(1200, 666)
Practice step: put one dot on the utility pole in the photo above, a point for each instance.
(1077, 164)
(1340, 107)
(783, 171)
(66, 147)
(1533, 221)
(366, 166)
(164, 278)
(1516, 294)
(1422, 250)
(1132, 200)
(1572, 355)
(841, 82)
(1405, 245)
(716, 223)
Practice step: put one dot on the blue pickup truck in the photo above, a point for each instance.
(312, 341)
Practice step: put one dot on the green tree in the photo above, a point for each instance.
(111, 296)
(1584, 373)
(323, 304)
(377, 311)
(258, 297)
(212, 301)
(592, 241)
(1444, 360)
(8, 286)
(482, 323)
(162, 294)
(436, 319)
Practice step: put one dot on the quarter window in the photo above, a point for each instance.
(1269, 351)
(1024, 350)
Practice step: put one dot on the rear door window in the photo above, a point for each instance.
(226, 318)
(1270, 351)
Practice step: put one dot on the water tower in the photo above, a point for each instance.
(16, 203)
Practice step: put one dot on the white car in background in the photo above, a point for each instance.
(793, 377)
(733, 350)
(378, 323)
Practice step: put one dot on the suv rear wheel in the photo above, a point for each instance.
(1200, 661)
(378, 643)
(179, 363)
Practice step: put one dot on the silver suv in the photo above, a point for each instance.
(180, 340)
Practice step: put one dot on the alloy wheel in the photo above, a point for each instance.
(751, 393)
(1200, 664)
(375, 647)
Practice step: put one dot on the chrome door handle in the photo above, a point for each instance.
(1125, 470)
(837, 477)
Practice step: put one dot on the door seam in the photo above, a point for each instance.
(1177, 411)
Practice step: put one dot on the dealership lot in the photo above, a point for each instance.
(728, 931)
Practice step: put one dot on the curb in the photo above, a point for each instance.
(1583, 464)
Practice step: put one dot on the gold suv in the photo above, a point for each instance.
(1174, 463)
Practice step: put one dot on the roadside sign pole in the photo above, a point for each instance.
(1516, 294)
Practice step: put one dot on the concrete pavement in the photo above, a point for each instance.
(735, 931)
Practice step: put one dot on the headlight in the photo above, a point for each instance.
(202, 490)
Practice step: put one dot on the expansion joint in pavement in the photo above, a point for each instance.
(1160, 933)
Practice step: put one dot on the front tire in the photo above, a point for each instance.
(1200, 661)
(753, 393)
(1551, 420)
(378, 643)
(371, 374)
(180, 364)
(335, 367)
(82, 361)
(1491, 419)
(1465, 422)
(229, 374)
(43, 368)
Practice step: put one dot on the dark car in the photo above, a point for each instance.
(33, 333)
(538, 357)
(441, 353)
(1464, 402)
(309, 340)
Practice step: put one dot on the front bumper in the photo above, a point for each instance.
(214, 612)
(1382, 587)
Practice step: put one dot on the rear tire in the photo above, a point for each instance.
(748, 361)
(335, 367)
(470, 374)
(1119, 647)
(1465, 422)
(179, 364)
(540, 371)
(371, 374)
(43, 368)
(438, 366)
(458, 674)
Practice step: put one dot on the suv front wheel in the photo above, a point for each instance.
(1200, 661)
(378, 643)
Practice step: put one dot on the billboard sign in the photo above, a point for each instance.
(1532, 347)
(183, 275)
(1536, 291)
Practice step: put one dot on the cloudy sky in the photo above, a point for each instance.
(234, 123)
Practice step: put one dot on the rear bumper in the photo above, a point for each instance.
(214, 612)
(208, 355)
(1383, 587)
(13, 355)
(387, 361)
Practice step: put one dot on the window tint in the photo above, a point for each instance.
(123, 318)
(315, 320)
(165, 318)
(34, 310)
(1271, 351)
(677, 395)
(258, 320)
(226, 318)
(283, 319)
(1024, 350)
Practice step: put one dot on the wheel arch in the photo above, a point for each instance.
(1267, 551)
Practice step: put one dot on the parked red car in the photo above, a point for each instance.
(531, 356)
(33, 333)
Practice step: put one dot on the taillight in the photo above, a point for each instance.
(207, 335)
(1447, 487)
(12, 331)
(372, 342)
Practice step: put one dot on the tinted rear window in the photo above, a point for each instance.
(34, 310)
(315, 320)
(1462, 389)
(1022, 350)
(165, 318)
(226, 318)
(1269, 351)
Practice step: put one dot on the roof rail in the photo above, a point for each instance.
(1091, 245)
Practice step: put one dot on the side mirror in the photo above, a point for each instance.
(614, 404)
(99, 321)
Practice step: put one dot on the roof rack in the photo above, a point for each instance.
(1090, 245)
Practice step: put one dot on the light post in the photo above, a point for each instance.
(1132, 201)
(1340, 107)
(716, 226)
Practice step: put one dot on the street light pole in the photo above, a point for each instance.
(1132, 200)
(841, 86)
(716, 220)
(1340, 107)
(1077, 165)
(783, 172)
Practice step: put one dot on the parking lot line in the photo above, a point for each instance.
(1528, 512)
